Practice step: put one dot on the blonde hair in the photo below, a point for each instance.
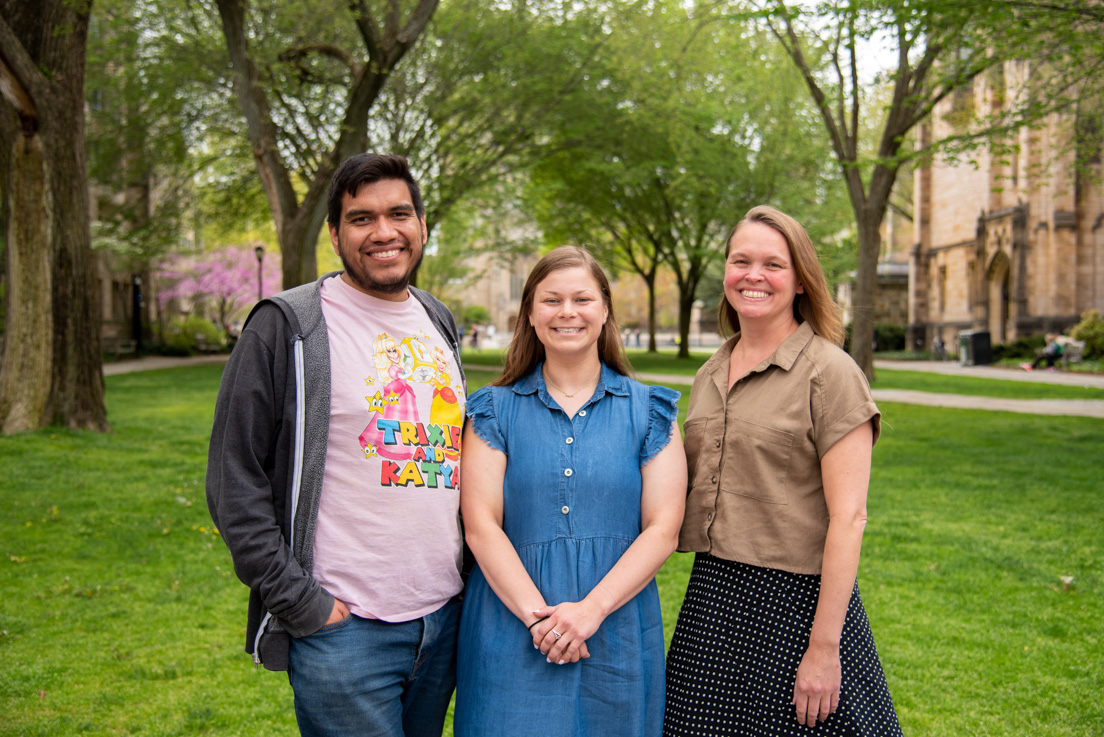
(526, 350)
(816, 305)
(382, 360)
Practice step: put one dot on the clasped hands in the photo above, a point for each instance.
(562, 630)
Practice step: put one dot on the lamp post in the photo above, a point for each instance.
(259, 250)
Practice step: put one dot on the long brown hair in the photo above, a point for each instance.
(526, 350)
(816, 305)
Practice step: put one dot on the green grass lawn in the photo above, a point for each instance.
(121, 614)
(922, 381)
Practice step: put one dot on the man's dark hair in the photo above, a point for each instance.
(361, 169)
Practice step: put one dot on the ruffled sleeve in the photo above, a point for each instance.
(662, 413)
(484, 419)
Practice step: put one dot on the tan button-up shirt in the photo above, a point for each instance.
(755, 490)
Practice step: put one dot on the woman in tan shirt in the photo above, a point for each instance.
(772, 637)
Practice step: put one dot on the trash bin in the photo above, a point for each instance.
(974, 348)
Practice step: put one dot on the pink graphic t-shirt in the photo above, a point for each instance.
(387, 541)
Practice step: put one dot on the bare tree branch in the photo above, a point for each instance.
(298, 53)
(21, 81)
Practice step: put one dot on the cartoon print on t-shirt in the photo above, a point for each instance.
(395, 401)
(445, 410)
(395, 432)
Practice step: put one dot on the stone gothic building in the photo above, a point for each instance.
(1007, 243)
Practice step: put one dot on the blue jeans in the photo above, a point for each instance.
(378, 679)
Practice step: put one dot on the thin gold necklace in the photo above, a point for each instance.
(572, 394)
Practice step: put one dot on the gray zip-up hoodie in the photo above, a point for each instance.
(267, 455)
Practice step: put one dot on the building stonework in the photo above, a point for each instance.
(1008, 242)
(891, 295)
(496, 285)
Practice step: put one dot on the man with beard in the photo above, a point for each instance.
(332, 472)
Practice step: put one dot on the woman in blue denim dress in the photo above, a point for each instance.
(573, 483)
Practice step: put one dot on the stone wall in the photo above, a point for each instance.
(1007, 240)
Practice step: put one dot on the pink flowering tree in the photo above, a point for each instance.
(216, 284)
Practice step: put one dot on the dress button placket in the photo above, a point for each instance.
(568, 454)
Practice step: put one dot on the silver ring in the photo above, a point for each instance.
(556, 634)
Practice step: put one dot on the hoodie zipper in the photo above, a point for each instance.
(296, 472)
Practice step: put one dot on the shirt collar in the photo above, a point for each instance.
(784, 356)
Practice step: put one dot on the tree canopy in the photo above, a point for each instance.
(305, 93)
(672, 139)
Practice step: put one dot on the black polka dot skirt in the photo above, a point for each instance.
(741, 634)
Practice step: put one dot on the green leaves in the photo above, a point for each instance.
(683, 122)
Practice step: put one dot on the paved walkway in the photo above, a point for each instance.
(953, 368)
(1072, 407)
(148, 363)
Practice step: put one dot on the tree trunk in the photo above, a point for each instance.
(686, 306)
(42, 48)
(866, 280)
(28, 351)
(870, 209)
(299, 243)
(77, 396)
(650, 281)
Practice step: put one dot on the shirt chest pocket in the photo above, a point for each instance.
(757, 461)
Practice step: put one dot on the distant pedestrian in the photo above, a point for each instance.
(1051, 353)
(475, 337)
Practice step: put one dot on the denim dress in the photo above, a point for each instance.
(571, 508)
